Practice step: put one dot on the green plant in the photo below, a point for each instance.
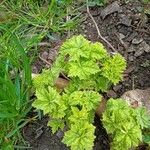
(145, 1)
(90, 70)
(23, 24)
(33, 20)
(124, 123)
(15, 84)
(97, 2)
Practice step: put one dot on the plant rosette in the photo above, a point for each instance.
(91, 71)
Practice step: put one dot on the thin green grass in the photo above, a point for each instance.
(23, 24)
(15, 83)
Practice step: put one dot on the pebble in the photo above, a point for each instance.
(141, 97)
(129, 69)
(140, 48)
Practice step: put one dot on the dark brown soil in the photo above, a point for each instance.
(40, 137)
(126, 30)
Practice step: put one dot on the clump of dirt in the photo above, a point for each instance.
(127, 29)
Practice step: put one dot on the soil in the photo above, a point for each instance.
(128, 30)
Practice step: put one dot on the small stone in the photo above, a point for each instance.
(85, 31)
(146, 47)
(39, 132)
(111, 94)
(138, 97)
(131, 36)
(131, 49)
(139, 48)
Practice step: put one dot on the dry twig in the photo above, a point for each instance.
(98, 31)
(44, 60)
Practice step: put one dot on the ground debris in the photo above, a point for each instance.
(125, 20)
(111, 94)
(140, 48)
(114, 7)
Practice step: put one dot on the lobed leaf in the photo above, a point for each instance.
(47, 100)
(80, 136)
(142, 117)
(119, 120)
(113, 68)
(56, 124)
(75, 47)
(82, 69)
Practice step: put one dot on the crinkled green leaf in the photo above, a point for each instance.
(113, 68)
(56, 124)
(80, 115)
(97, 51)
(102, 83)
(60, 110)
(82, 69)
(130, 137)
(47, 100)
(119, 120)
(49, 76)
(43, 79)
(75, 47)
(87, 99)
(75, 98)
(146, 138)
(142, 117)
(90, 69)
(80, 136)
(91, 100)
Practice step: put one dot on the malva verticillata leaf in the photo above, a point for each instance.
(124, 123)
(80, 136)
(76, 47)
(56, 124)
(49, 101)
(90, 70)
(113, 68)
(82, 69)
(142, 117)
